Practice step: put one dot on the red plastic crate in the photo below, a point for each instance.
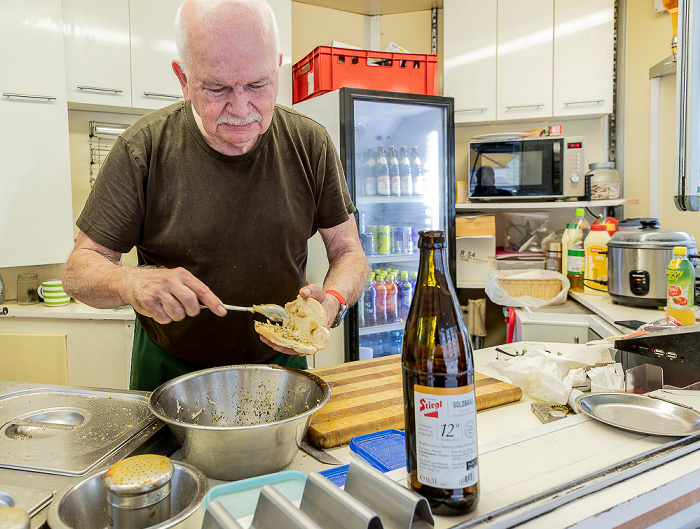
(327, 68)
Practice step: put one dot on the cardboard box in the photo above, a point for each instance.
(475, 247)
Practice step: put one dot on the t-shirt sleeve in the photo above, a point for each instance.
(114, 211)
(334, 203)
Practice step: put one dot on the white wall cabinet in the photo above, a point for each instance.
(36, 218)
(153, 82)
(524, 59)
(528, 59)
(583, 57)
(97, 46)
(470, 63)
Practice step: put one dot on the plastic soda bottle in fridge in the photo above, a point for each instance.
(595, 247)
(394, 176)
(680, 287)
(380, 289)
(392, 299)
(416, 172)
(383, 179)
(405, 295)
(575, 258)
(438, 387)
(405, 173)
(370, 174)
(370, 303)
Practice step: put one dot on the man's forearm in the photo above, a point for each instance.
(94, 279)
(348, 275)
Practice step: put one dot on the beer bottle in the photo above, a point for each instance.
(370, 175)
(405, 172)
(394, 177)
(417, 172)
(438, 386)
(382, 168)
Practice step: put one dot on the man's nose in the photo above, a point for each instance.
(238, 102)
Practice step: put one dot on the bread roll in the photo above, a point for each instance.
(304, 329)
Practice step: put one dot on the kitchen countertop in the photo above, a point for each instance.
(73, 310)
(519, 457)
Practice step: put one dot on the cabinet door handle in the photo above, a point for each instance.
(28, 96)
(478, 109)
(100, 89)
(585, 102)
(156, 94)
(510, 107)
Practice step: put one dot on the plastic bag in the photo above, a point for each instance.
(547, 376)
(497, 294)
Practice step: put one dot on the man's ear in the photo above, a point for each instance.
(182, 77)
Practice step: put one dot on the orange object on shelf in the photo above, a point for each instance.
(327, 68)
(672, 7)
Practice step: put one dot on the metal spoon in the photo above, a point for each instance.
(270, 311)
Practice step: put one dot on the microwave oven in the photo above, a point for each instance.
(528, 168)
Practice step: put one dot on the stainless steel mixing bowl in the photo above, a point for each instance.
(240, 421)
(84, 504)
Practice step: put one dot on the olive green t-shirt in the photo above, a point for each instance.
(238, 223)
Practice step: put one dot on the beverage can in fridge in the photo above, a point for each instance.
(367, 240)
(383, 239)
(398, 240)
(408, 239)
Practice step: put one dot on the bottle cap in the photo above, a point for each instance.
(679, 250)
(580, 212)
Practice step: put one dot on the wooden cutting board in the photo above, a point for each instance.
(367, 396)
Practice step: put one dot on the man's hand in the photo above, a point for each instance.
(168, 295)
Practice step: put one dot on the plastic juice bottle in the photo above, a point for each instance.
(380, 289)
(406, 295)
(565, 248)
(392, 299)
(370, 303)
(576, 259)
(680, 287)
(595, 249)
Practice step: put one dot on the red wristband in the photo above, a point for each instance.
(337, 296)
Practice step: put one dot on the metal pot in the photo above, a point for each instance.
(637, 261)
(235, 422)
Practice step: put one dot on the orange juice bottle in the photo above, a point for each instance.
(680, 287)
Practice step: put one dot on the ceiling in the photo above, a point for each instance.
(376, 7)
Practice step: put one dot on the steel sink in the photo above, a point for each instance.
(70, 431)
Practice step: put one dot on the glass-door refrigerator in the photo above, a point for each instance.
(398, 154)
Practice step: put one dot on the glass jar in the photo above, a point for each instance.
(27, 288)
(603, 181)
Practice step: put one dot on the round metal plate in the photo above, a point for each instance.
(641, 414)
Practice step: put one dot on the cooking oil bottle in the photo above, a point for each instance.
(575, 260)
(680, 287)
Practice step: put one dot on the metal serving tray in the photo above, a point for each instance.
(641, 414)
(69, 431)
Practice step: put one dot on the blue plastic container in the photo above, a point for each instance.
(385, 450)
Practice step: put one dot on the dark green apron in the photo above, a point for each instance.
(151, 365)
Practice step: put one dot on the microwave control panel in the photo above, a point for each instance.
(574, 183)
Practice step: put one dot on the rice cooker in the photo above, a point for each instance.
(637, 261)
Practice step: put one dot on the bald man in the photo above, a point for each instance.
(219, 194)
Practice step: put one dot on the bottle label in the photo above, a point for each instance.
(596, 265)
(680, 284)
(446, 447)
(576, 262)
(371, 186)
(383, 185)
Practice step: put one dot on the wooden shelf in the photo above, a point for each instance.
(563, 204)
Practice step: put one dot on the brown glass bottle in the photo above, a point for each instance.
(438, 385)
